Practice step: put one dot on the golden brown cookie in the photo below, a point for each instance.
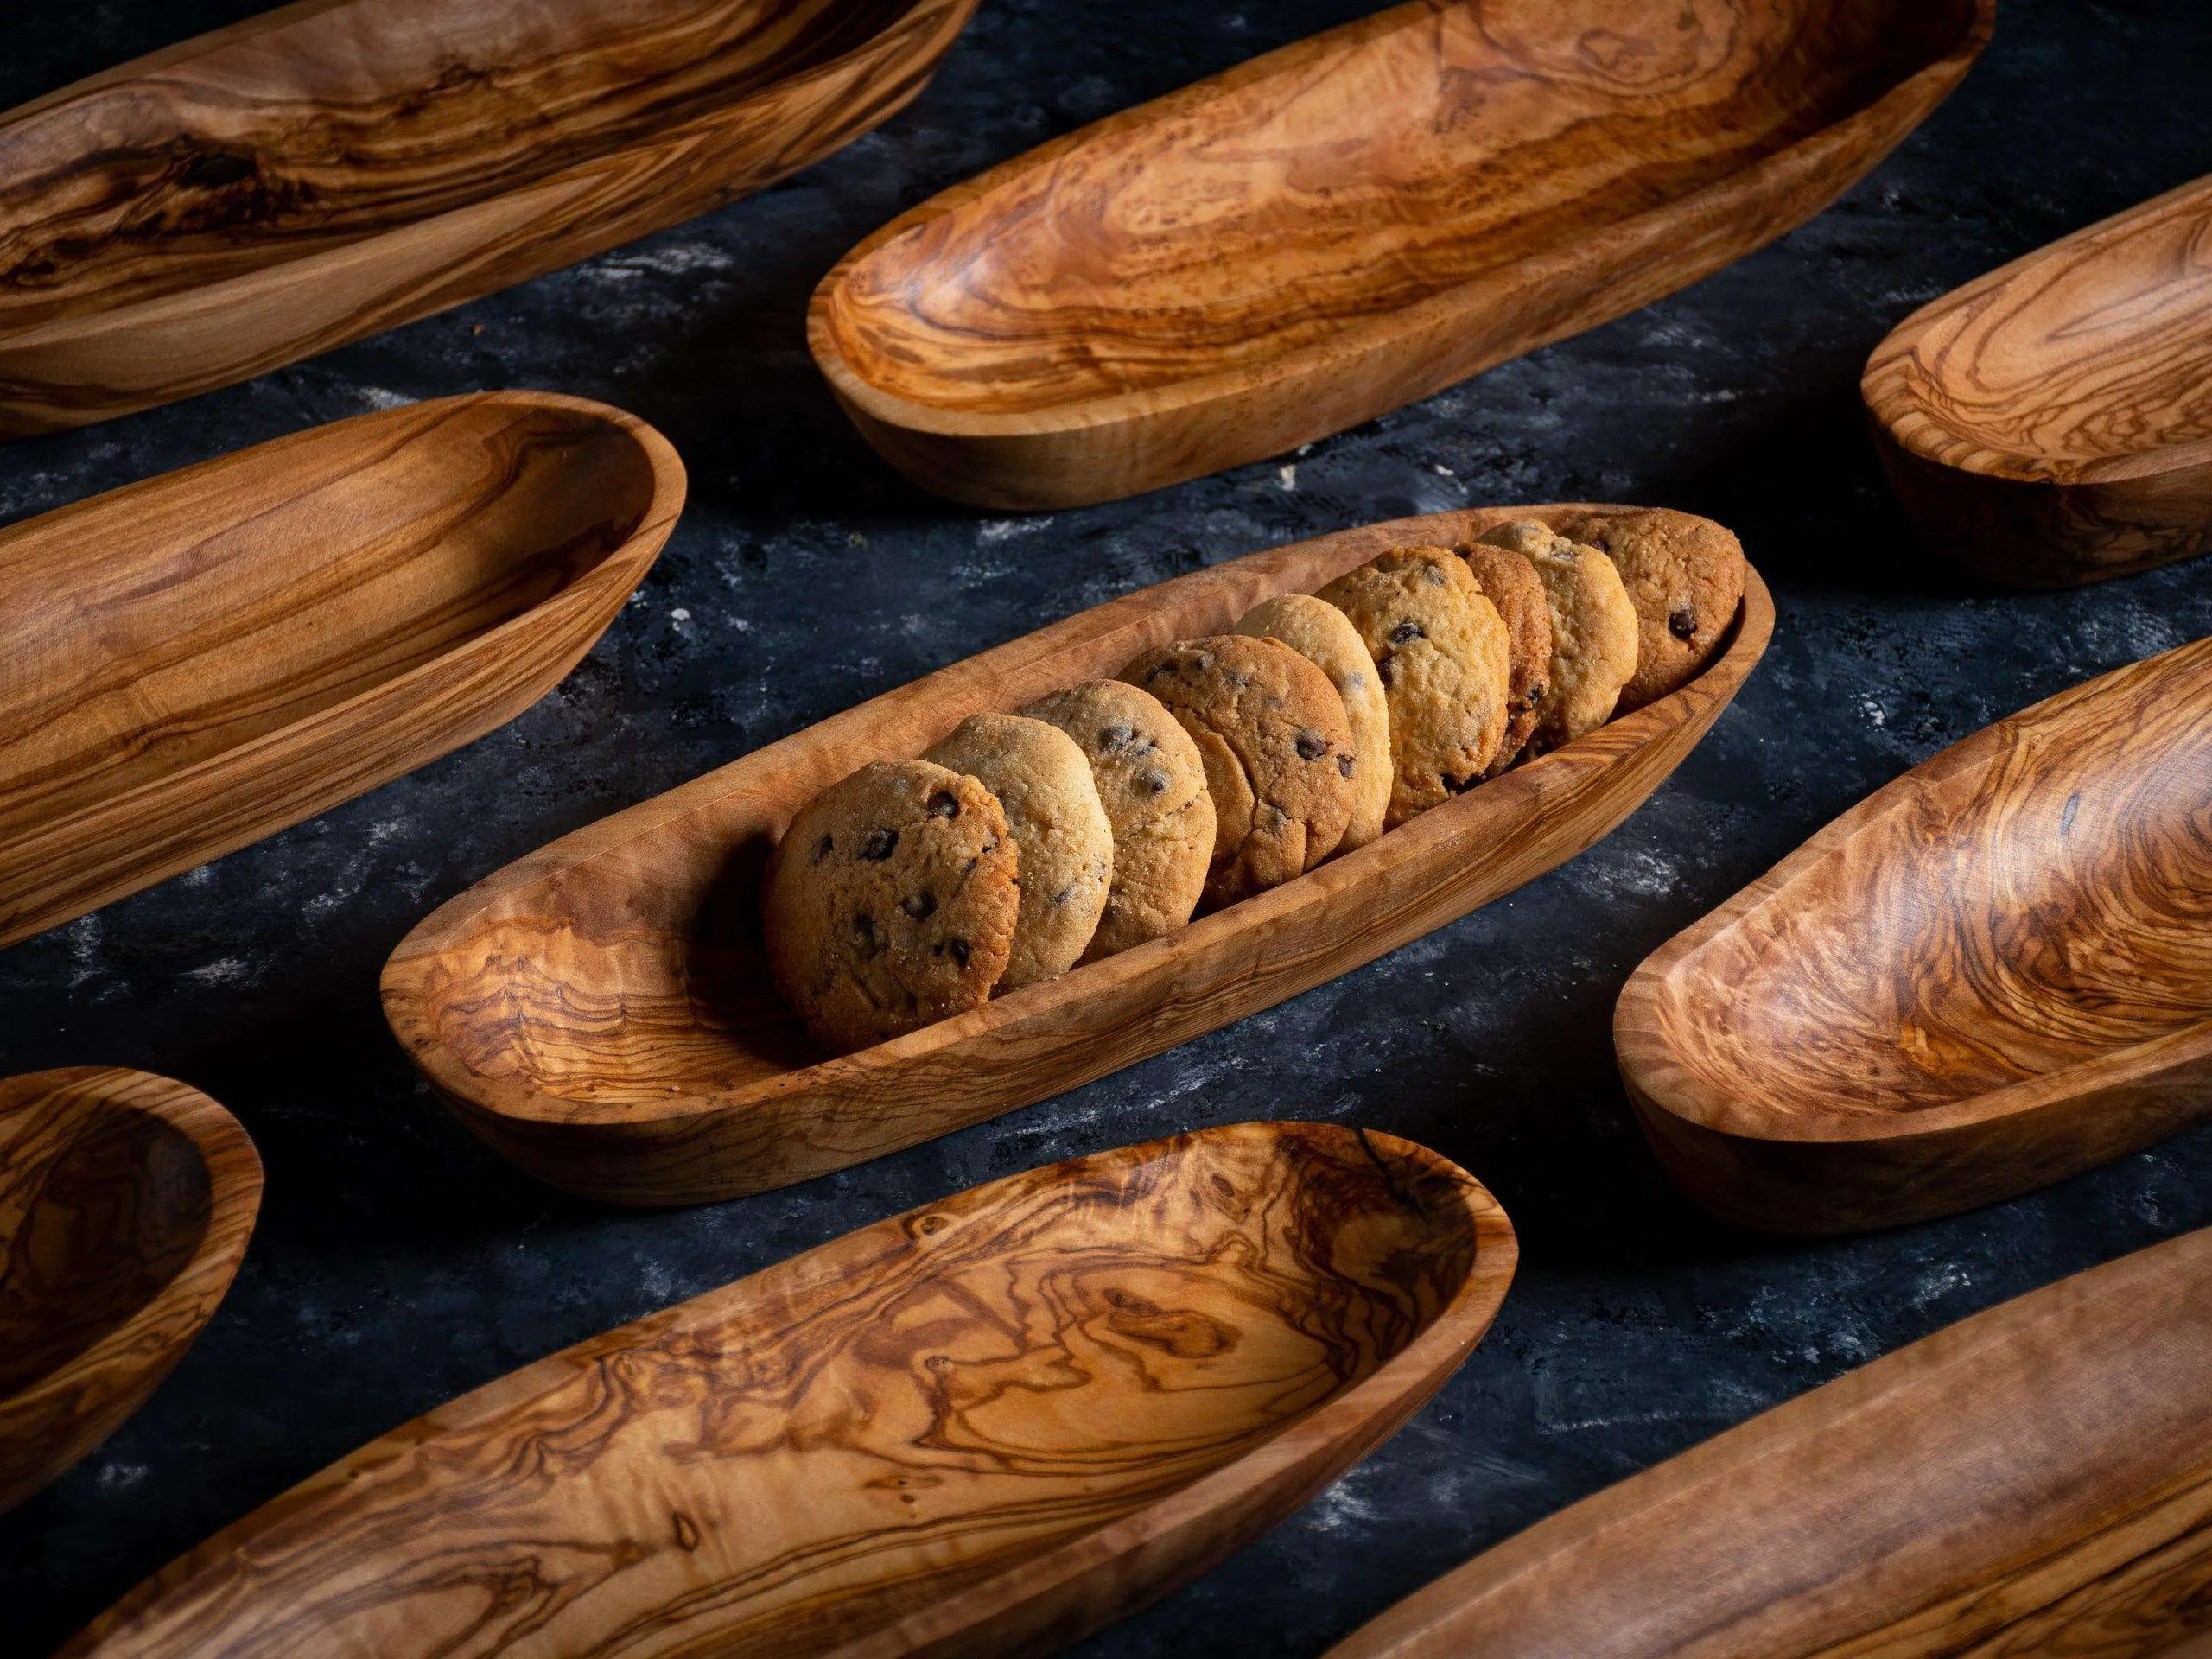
(1272, 733)
(1509, 581)
(1043, 783)
(1593, 630)
(1685, 577)
(891, 902)
(1325, 637)
(1153, 786)
(1445, 659)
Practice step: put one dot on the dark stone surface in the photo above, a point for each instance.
(398, 1263)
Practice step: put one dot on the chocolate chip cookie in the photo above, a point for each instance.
(1445, 659)
(1685, 577)
(1510, 583)
(1272, 733)
(1324, 635)
(1044, 784)
(1594, 631)
(891, 903)
(1153, 786)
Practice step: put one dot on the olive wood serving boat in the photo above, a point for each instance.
(2050, 424)
(1352, 223)
(338, 167)
(125, 1204)
(1994, 972)
(984, 1427)
(2035, 1480)
(198, 660)
(602, 1012)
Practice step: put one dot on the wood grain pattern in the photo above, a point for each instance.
(2050, 424)
(1351, 223)
(125, 1204)
(194, 661)
(1993, 973)
(2034, 1481)
(339, 167)
(602, 1012)
(985, 1427)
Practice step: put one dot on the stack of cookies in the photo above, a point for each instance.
(1210, 770)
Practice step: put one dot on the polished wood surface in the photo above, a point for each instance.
(338, 167)
(2050, 424)
(125, 1204)
(602, 1012)
(985, 1427)
(2035, 1480)
(1994, 972)
(196, 661)
(1351, 223)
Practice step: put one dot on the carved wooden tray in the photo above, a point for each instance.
(2050, 424)
(1354, 222)
(125, 1204)
(338, 167)
(2035, 1480)
(201, 659)
(602, 1012)
(1994, 972)
(985, 1427)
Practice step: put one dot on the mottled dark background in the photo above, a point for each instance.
(398, 1263)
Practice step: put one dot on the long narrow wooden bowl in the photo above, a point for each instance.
(1994, 972)
(198, 660)
(2050, 424)
(1354, 222)
(125, 1204)
(2035, 1480)
(984, 1427)
(602, 1012)
(338, 167)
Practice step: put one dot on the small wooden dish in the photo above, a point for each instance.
(602, 1012)
(201, 659)
(985, 1427)
(2035, 1480)
(338, 167)
(1352, 223)
(2050, 424)
(125, 1204)
(1994, 972)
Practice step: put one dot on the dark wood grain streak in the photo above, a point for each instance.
(602, 1012)
(983, 1426)
(2034, 1481)
(1351, 223)
(2050, 424)
(1994, 972)
(339, 167)
(125, 1204)
(192, 663)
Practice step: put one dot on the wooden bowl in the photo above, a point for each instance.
(2035, 1480)
(1352, 223)
(125, 1204)
(1993, 973)
(602, 1012)
(201, 659)
(338, 167)
(987, 1427)
(2050, 424)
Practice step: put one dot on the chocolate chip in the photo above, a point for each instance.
(1159, 669)
(1383, 671)
(1682, 622)
(1405, 632)
(1111, 738)
(879, 845)
(864, 931)
(1434, 573)
(1153, 780)
(1312, 746)
(1064, 896)
(1344, 764)
(920, 906)
(823, 848)
(945, 805)
(959, 948)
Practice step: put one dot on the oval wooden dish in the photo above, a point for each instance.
(201, 659)
(1352, 223)
(2050, 424)
(984, 1427)
(1994, 972)
(2035, 1480)
(602, 1013)
(125, 1204)
(338, 167)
